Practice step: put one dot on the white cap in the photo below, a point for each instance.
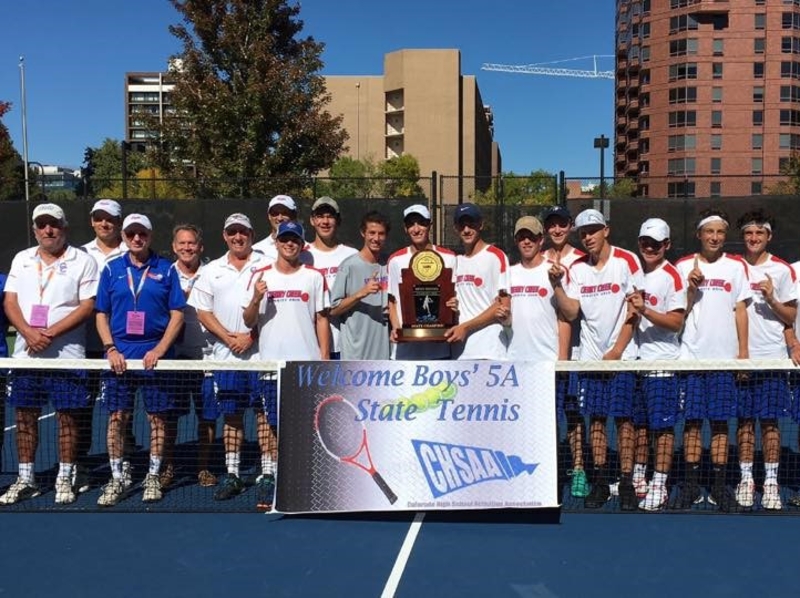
(417, 208)
(49, 209)
(590, 218)
(139, 219)
(325, 201)
(109, 206)
(282, 200)
(239, 219)
(655, 228)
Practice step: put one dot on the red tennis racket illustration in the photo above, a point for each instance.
(345, 438)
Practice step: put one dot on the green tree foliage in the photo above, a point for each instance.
(103, 168)
(399, 177)
(538, 188)
(624, 187)
(12, 170)
(791, 186)
(249, 102)
(349, 178)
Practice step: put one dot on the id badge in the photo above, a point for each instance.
(39, 316)
(134, 323)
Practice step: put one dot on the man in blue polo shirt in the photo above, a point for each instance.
(139, 316)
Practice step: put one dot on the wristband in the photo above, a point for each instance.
(109, 346)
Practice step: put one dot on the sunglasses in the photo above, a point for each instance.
(42, 224)
(144, 234)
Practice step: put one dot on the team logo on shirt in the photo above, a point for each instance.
(62, 268)
(469, 279)
(529, 291)
(288, 296)
(715, 284)
(155, 276)
(600, 289)
(651, 299)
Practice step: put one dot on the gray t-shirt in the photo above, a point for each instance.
(365, 328)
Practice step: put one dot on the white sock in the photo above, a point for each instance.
(659, 479)
(26, 472)
(232, 463)
(155, 465)
(639, 470)
(267, 465)
(65, 470)
(747, 470)
(772, 472)
(116, 468)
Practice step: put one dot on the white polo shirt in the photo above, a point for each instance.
(93, 249)
(765, 329)
(194, 341)
(534, 320)
(61, 286)
(268, 248)
(664, 292)
(223, 290)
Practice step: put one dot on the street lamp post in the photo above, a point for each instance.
(601, 143)
(358, 120)
(25, 141)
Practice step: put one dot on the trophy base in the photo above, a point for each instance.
(411, 335)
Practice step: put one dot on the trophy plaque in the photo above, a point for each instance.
(425, 287)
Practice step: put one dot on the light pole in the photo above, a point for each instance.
(25, 141)
(602, 143)
(41, 176)
(358, 120)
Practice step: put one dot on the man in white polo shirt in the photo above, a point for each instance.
(281, 209)
(49, 296)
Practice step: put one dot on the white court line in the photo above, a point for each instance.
(41, 417)
(402, 557)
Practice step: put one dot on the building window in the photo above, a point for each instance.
(718, 47)
(716, 165)
(790, 20)
(756, 165)
(716, 94)
(683, 118)
(644, 146)
(758, 70)
(783, 163)
(790, 141)
(680, 166)
(716, 118)
(758, 118)
(759, 45)
(644, 123)
(686, 70)
(790, 69)
(756, 187)
(716, 141)
(715, 189)
(682, 23)
(790, 93)
(682, 47)
(682, 189)
(716, 70)
(679, 143)
(644, 30)
(646, 54)
(756, 141)
(683, 95)
(790, 45)
(760, 20)
(790, 118)
(758, 94)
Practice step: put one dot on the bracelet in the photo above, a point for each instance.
(109, 347)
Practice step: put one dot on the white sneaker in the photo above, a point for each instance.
(640, 486)
(112, 493)
(127, 475)
(80, 479)
(19, 490)
(65, 494)
(771, 499)
(745, 492)
(152, 488)
(655, 499)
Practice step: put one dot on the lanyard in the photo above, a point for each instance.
(44, 284)
(135, 293)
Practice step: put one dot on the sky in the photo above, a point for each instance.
(76, 54)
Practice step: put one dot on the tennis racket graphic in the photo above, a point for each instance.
(345, 438)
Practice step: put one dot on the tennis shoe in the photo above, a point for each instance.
(580, 485)
(688, 495)
(723, 498)
(167, 476)
(65, 491)
(206, 479)
(655, 499)
(231, 486)
(640, 486)
(265, 491)
(79, 479)
(745, 493)
(598, 496)
(152, 488)
(771, 499)
(112, 493)
(19, 490)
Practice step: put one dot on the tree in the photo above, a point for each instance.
(349, 178)
(791, 186)
(12, 168)
(538, 188)
(624, 187)
(249, 102)
(399, 177)
(103, 168)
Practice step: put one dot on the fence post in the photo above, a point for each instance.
(435, 207)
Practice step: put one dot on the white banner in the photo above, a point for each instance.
(393, 435)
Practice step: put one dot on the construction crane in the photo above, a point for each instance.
(543, 68)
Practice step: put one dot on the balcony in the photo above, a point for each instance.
(710, 7)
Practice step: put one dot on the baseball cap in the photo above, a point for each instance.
(531, 223)
(139, 219)
(559, 211)
(109, 206)
(590, 218)
(290, 227)
(282, 200)
(655, 228)
(417, 208)
(49, 209)
(325, 201)
(467, 210)
(237, 218)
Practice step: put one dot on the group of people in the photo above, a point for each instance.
(284, 298)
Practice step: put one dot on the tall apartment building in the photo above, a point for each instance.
(423, 106)
(145, 94)
(707, 94)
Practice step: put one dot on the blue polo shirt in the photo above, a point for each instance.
(160, 293)
(3, 318)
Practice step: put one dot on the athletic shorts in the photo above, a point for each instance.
(764, 395)
(567, 393)
(657, 401)
(65, 389)
(188, 385)
(607, 395)
(709, 395)
(235, 391)
(158, 390)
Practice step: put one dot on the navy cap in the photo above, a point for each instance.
(291, 227)
(467, 210)
(559, 211)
